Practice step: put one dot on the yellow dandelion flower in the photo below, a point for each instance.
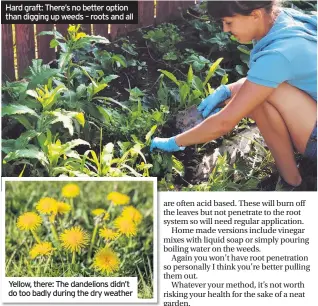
(74, 239)
(71, 29)
(100, 211)
(125, 226)
(63, 208)
(70, 191)
(132, 213)
(80, 35)
(106, 261)
(108, 233)
(29, 221)
(46, 206)
(41, 249)
(118, 198)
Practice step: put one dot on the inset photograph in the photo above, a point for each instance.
(81, 229)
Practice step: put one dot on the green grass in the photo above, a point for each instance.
(135, 253)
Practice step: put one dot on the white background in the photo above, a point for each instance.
(309, 216)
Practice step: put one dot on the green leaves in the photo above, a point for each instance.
(163, 40)
(93, 89)
(110, 61)
(135, 94)
(30, 152)
(47, 96)
(65, 59)
(212, 70)
(190, 75)
(184, 91)
(74, 143)
(25, 138)
(55, 150)
(170, 56)
(241, 70)
(110, 77)
(244, 49)
(66, 118)
(39, 74)
(81, 91)
(198, 62)
(119, 60)
(56, 34)
(170, 76)
(54, 43)
(11, 145)
(149, 134)
(177, 166)
(193, 89)
(17, 109)
(225, 79)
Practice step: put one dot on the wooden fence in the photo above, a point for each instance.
(18, 51)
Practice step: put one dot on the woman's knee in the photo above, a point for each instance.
(298, 110)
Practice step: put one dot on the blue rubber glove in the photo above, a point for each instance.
(208, 105)
(165, 144)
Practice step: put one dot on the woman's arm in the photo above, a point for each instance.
(235, 87)
(241, 104)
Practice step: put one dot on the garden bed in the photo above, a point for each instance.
(94, 110)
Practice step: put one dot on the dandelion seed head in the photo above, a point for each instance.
(118, 198)
(70, 190)
(106, 261)
(125, 226)
(29, 221)
(108, 234)
(100, 211)
(41, 249)
(47, 206)
(133, 213)
(74, 239)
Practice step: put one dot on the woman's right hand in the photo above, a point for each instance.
(209, 105)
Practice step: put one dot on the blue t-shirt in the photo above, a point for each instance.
(288, 53)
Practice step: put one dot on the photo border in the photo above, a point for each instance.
(154, 300)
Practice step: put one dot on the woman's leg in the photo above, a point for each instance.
(276, 135)
(299, 112)
(288, 117)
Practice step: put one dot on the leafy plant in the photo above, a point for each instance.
(74, 40)
(128, 160)
(193, 90)
(163, 39)
(197, 61)
(109, 61)
(56, 158)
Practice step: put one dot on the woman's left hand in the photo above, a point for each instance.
(165, 144)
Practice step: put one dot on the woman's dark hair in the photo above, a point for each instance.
(220, 9)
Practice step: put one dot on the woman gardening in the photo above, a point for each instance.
(279, 92)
